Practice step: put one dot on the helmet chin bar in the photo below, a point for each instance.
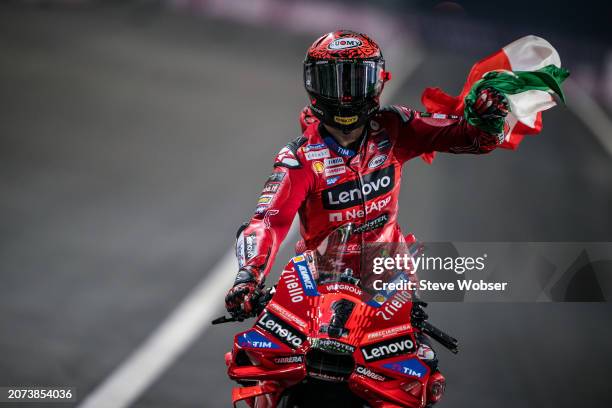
(345, 117)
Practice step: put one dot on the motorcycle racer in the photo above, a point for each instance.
(347, 165)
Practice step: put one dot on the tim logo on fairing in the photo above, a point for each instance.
(410, 368)
(253, 339)
(351, 193)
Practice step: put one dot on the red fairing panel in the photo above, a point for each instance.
(328, 189)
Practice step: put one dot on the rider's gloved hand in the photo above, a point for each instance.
(491, 104)
(240, 299)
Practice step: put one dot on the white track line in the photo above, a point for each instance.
(173, 336)
(193, 315)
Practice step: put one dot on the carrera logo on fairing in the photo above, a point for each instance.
(344, 43)
(289, 360)
(350, 194)
(389, 348)
(366, 372)
(279, 329)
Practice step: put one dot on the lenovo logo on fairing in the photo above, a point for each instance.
(279, 329)
(351, 193)
(389, 348)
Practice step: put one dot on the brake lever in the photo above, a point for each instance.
(224, 319)
(261, 302)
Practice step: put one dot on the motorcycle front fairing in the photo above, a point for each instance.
(320, 324)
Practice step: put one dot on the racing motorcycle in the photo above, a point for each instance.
(325, 338)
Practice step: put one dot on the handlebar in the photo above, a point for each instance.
(263, 297)
(438, 335)
(419, 320)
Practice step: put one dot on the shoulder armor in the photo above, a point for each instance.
(404, 113)
(288, 156)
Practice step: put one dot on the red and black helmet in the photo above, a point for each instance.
(344, 74)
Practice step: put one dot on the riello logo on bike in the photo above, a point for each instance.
(351, 193)
(281, 330)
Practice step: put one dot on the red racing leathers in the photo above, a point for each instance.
(328, 186)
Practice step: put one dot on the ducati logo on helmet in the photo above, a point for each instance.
(344, 43)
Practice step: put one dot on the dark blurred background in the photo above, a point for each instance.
(135, 138)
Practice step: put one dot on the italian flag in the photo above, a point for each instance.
(528, 71)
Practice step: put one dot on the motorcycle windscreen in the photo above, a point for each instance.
(344, 80)
(343, 257)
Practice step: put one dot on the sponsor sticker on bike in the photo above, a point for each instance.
(410, 368)
(389, 348)
(254, 339)
(289, 360)
(305, 276)
(293, 285)
(332, 346)
(379, 334)
(286, 314)
(281, 330)
(366, 372)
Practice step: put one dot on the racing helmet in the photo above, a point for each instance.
(344, 75)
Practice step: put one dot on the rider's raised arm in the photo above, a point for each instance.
(421, 133)
(284, 192)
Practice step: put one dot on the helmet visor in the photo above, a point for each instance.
(345, 80)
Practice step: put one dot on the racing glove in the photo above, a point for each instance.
(491, 104)
(241, 299)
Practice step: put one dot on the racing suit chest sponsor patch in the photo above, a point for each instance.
(351, 193)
